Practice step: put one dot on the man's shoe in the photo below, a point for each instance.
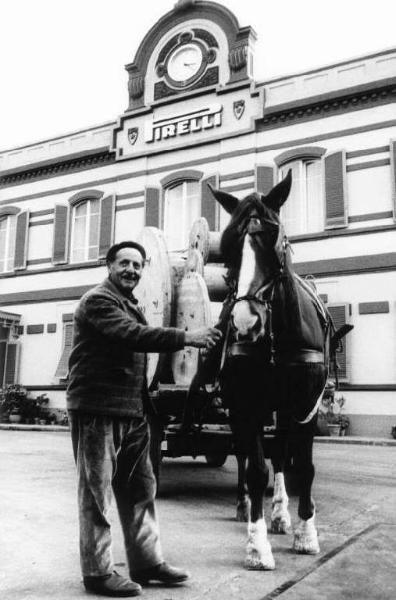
(113, 585)
(162, 573)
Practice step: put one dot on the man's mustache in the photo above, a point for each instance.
(131, 277)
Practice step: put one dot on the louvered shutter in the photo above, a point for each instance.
(209, 206)
(393, 174)
(3, 354)
(21, 240)
(264, 179)
(152, 207)
(11, 363)
(335, 189)
(62, 369)
(339, 314)
(61, 230)
(106, 230)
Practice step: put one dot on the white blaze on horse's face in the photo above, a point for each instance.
(244, 319)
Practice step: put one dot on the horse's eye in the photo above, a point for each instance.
(255, 221)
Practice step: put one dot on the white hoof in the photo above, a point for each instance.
(243, 511)
(306, 537)
(280, 518)
(258, 550)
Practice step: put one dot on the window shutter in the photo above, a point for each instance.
(339, 314)
(152, 207)
(11, 363)
(3, 354)
(62, 369)
(106, 225)
(393, 174)
(61, 229)
(209, 206)
(21, 240)
(264, 179)
(335, 189)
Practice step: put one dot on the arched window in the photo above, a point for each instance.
(83, 228)
(85, 231)
(182, 206)
(7, 242)
(304, 211)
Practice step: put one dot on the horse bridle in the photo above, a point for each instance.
(281, 242)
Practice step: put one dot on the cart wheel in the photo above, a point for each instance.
(216, 460)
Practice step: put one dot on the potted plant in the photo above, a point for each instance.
(52, 419)
(64, 419)
(12, 403)
(42, 410)
(331, 418)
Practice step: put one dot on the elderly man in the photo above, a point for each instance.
(106, 400)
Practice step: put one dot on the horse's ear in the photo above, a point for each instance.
(227, 201)
(278, 195)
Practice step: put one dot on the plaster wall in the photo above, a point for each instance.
(371, 346)
(77, 141)
(333, 77)
(340, 246)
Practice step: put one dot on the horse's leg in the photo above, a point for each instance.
(243, 501)
(280, 516)
(305, 534)
(258, 550)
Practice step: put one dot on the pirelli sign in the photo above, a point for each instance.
(183, 124)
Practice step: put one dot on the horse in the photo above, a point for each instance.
(274, 357)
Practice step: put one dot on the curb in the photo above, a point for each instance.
(362, 441)
(29, 427)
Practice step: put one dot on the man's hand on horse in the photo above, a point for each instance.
(204, 337)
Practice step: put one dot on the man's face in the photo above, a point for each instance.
(126, 270)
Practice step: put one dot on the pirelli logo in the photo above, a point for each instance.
(184, 124)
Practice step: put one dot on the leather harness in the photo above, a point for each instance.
(246, 348)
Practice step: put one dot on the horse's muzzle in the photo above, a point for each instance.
(249, 330)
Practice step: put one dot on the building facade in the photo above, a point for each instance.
(196, 114)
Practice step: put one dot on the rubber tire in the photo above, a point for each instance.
(216, 460)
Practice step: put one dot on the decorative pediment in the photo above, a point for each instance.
(196, 45)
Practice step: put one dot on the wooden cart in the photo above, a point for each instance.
(185, 290)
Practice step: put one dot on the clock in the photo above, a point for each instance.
(185, 62)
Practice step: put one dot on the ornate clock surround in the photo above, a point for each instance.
(239, 42)
(205, 43)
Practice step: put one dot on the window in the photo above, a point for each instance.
(340, 315)
(67, 341)
(304, 210)
(9, 348)
(85, 231)
(182, 206)
(83, 228)
(7, 242)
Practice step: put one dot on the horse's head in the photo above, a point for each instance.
(254, 248)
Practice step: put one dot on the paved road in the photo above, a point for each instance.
(355, 492)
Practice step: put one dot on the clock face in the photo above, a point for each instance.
(185, 62)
